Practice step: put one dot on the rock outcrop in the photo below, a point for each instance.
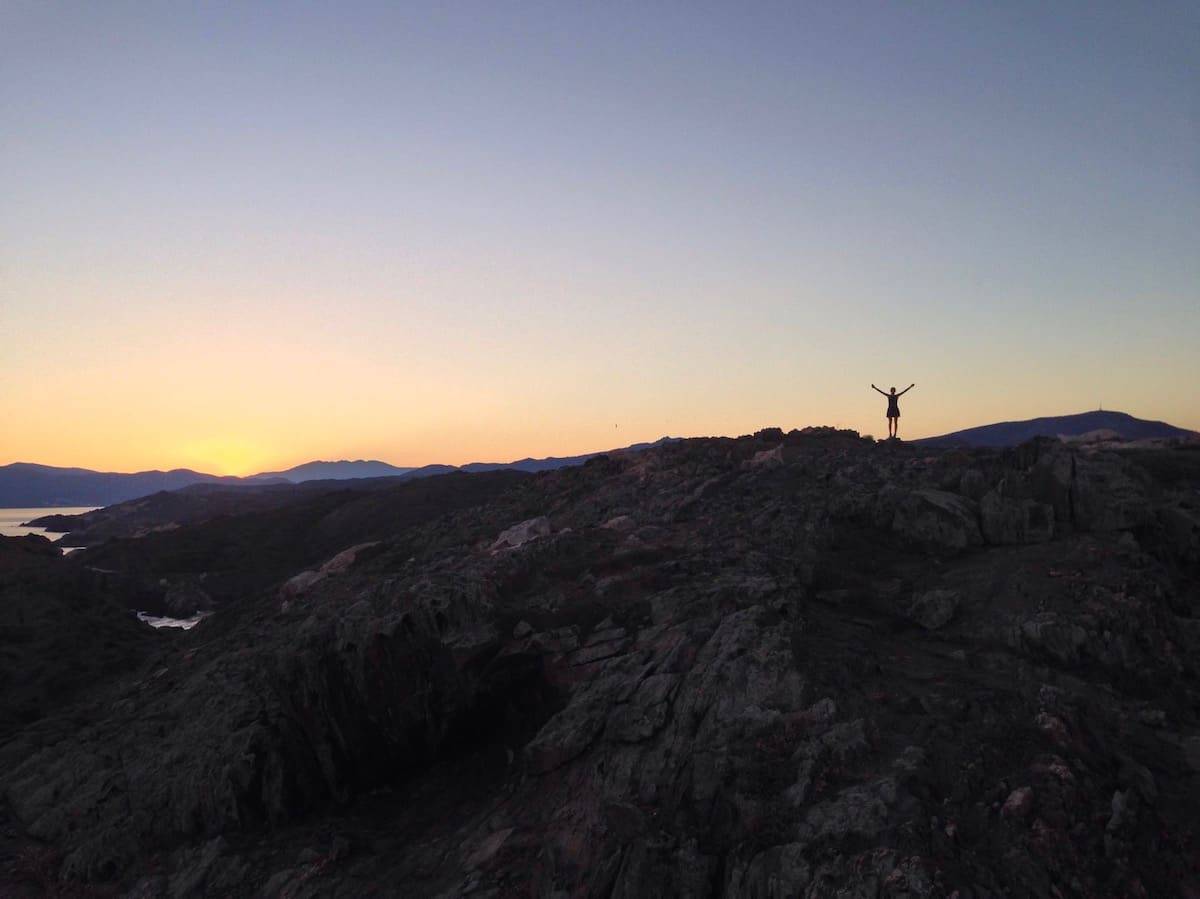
(520, 534)
(783, 665)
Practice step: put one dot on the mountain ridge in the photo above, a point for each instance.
(340, 469)
(32, 485)
(1012, 433)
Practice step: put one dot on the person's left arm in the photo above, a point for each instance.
(906, 390)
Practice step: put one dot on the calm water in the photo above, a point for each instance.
(10, 519)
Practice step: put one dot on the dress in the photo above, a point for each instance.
(893, 405)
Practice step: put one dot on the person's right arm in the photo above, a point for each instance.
(877, 390)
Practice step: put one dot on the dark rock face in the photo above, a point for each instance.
(177, 551)
(938, 517)
(783, 665)
(1009, 520)
(186, 599)
(61, 628)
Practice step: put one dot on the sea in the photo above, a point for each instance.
(12, 521)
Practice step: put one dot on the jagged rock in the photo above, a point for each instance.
(772, 458)
(939, 518)
(860, 811)
(299, 584)
(345, 558)
(1008, 521)
(1049, 633)
(302, 583)
(1106, 496)
(566, 736)
(726, 705)
(520, 534)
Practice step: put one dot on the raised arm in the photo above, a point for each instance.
(906, 389)
(877, 390)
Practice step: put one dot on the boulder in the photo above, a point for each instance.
(345, 558)
(520, 534)
(772, 458)
(298, 584)
(1018, 804)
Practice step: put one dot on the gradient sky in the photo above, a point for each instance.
(239, 236)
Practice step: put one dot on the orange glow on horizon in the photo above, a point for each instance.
(445, 233)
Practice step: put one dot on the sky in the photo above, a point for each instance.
(236, 237)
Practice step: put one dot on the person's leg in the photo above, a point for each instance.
(896, 427)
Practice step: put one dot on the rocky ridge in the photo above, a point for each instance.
(781, 665)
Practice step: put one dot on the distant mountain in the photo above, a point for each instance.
(37, 486)
(27, 484)
(335, 471)
(550, 463)
(1010, 433)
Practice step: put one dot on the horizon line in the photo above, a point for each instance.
(525, 458)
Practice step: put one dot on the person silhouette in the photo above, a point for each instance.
(893, 410)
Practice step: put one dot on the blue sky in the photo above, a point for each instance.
(244, 235)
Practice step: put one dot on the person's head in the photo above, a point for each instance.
(893, 390)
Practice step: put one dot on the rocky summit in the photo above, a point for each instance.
(803, 664)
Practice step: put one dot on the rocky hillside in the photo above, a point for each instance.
(193, 552)
(62, 627)
(782, 665)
